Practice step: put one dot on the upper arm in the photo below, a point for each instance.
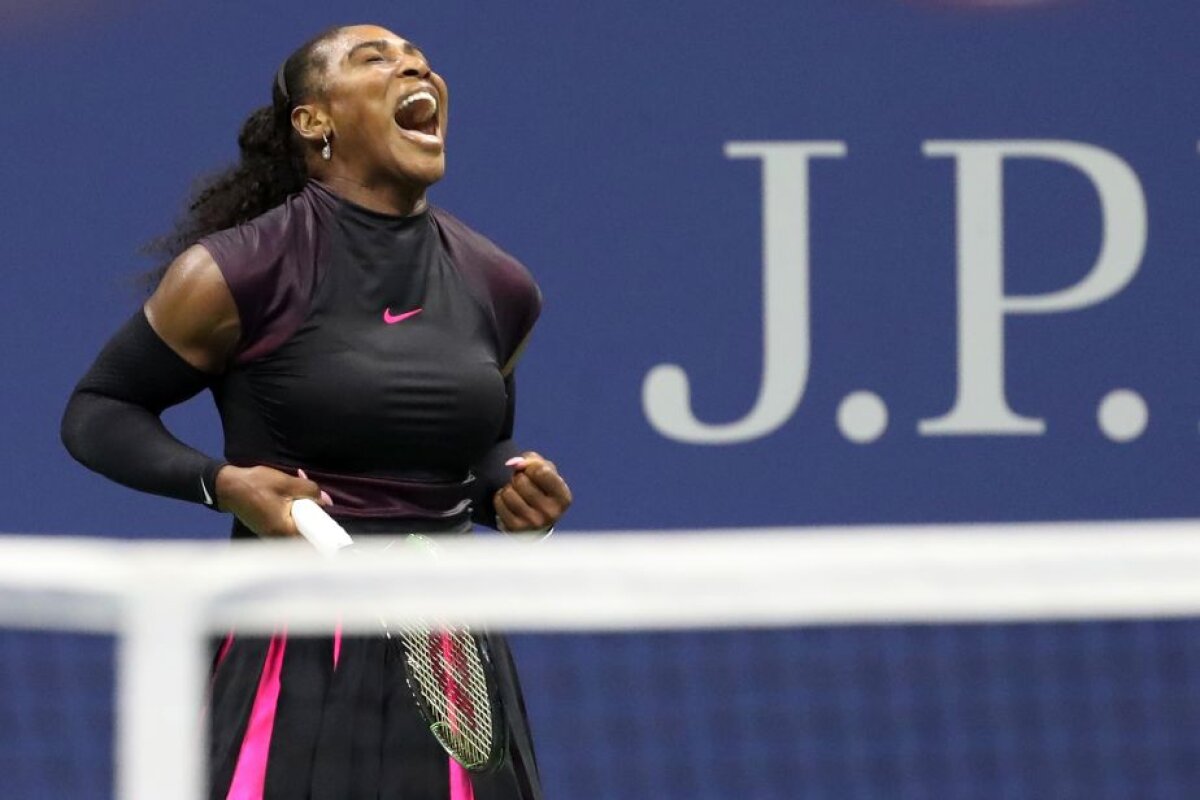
(194, 312)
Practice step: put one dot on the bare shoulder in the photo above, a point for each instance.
(194, 312)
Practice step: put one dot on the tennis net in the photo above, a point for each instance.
(977, 661)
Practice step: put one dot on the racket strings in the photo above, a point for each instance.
(451, 678)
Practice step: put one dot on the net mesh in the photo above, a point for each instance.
(866, 697)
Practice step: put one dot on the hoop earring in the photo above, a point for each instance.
(327, 150)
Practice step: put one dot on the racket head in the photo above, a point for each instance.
(452, 679)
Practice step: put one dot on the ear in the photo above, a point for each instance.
(312, 123)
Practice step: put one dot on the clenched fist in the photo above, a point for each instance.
(536, 497)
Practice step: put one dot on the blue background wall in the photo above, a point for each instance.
(588, 139)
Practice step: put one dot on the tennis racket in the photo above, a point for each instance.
(448, 669)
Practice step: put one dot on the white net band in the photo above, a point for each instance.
(163, 600)
(714, 579)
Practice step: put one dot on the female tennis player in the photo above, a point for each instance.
(360, 345)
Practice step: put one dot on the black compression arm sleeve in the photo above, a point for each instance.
(490, 472)
(112, 423)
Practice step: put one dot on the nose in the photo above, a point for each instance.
(414, 67)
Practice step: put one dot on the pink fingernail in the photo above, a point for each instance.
(326, 500)
(516, 461)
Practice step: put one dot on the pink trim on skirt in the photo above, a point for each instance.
(212, 680)
(224, 651)
(250, 775)
(460, 782)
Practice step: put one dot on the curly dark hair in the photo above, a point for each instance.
(271, 165)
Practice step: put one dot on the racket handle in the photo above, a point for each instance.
(321, 530)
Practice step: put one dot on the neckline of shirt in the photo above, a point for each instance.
(394, 220)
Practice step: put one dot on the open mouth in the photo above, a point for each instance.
(417, 116)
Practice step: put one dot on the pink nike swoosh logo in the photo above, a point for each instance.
(392, 319)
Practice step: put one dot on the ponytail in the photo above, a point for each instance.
(271, 166)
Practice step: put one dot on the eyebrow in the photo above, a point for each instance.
(385, 44)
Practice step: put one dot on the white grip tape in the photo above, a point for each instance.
(321, 530)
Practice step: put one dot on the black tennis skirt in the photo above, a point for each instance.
(331, 718)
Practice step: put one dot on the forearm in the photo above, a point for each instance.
(491, 475)
(491, 472)
(131, 446)
(112, 422)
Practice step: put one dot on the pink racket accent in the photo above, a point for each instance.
(450, 681)
(460, 779)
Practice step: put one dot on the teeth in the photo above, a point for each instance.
(417, 110)
(422, 95)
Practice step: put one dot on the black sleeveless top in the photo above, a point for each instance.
(375, 352)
